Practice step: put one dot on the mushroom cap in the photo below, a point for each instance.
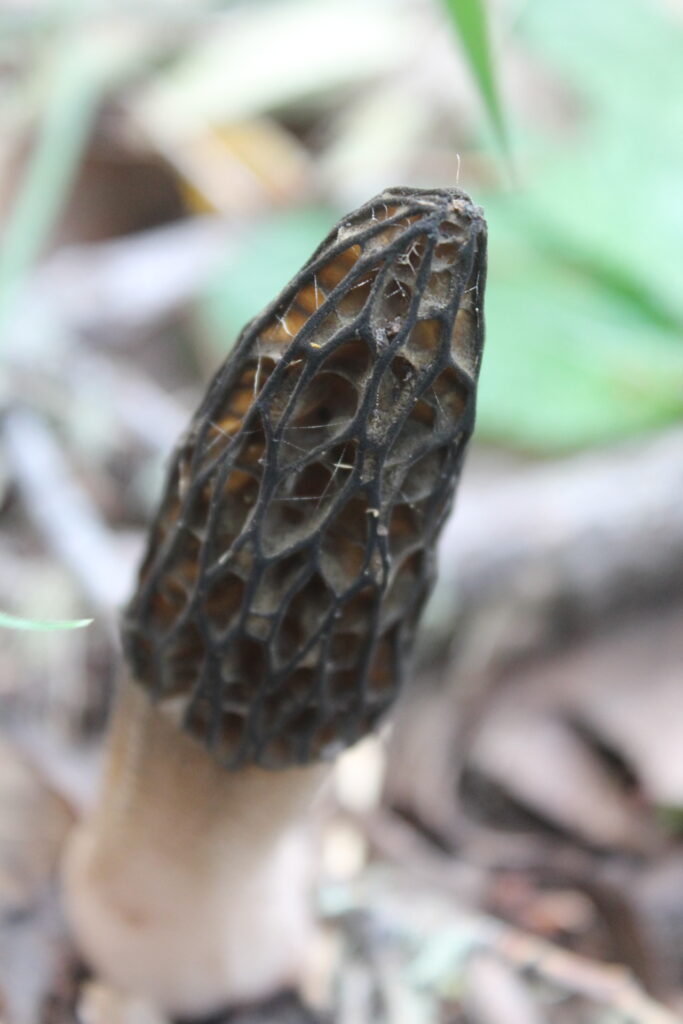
(294, 546)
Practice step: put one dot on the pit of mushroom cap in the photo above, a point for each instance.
(323, 409)
(300, 504)
(304, 616)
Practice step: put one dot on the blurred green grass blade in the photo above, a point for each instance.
(73, 99)
(41, 625)
(470, 19)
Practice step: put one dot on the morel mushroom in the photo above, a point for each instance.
(277, 603)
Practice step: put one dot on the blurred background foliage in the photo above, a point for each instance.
(165, 167)
(279, 115)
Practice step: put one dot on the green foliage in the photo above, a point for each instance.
(585, 306)
(40, 625)
(671, 819)
(470, 19)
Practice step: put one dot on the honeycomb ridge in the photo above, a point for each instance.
(294, 545)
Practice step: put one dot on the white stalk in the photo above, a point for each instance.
(189, 884)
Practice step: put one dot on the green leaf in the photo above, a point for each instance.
(609, 187)
(470, 21)
(41, 625)
(569, 363)
(584, 307)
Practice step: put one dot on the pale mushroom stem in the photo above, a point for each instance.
(190, 885)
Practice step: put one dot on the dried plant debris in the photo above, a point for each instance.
(433, 960)
(294, 547)
(577, 739)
